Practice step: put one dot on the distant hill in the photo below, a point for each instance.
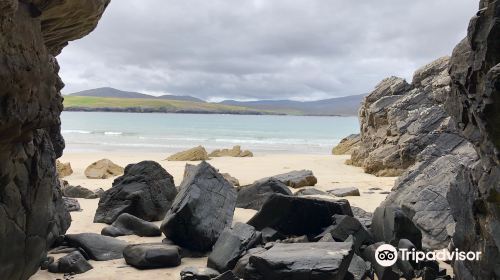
(116, 93)
(348, 105)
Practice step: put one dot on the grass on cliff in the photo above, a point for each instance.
(170, 105)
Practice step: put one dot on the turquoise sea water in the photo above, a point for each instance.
(102, 131)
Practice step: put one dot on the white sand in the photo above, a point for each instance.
(330, 171)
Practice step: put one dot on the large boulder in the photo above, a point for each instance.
(231, 245)
(291, 215)
(152, 255)
(202, 209)
(296, 178)
(127, 224)
(308, 261)
(63, 169)
(103, 169)
(234, 152)
(194, 154)
(97, 247)
(254, 195)
(475, 104)
(146, 190)
(347, 145)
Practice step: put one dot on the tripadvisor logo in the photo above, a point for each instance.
(387, 255)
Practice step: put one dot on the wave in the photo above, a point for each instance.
(75, 131)
(80, 131)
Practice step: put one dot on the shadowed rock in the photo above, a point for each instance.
(390, 224)
(146, 190)
(342, 192)
(96, 246)
(71, 204)
(202, 209)
(310, 191)
(152, 255)
(127, 224)
(73, 263)
(296, 178)
(198, 273)
(254, 195)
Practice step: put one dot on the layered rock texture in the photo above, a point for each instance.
(475, 104)
(32, 213)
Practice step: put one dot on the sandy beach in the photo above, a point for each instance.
(330, 171)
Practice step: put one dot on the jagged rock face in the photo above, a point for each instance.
(475, 199)
(398, 120)
(31, 210)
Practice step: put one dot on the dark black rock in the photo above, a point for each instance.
(71, 204)
(270, 235)
(198, 273)
(296, 239)
(310, 191)
(71, 263)
(383, 273)
(152, 255)
(254, 195)
(145, 190)
(342, 192)
(318, 261)
(78, 192)
(358, 268)
(364, 217)
(228, 275)
(291, 215)
(97, 247)
(296, 178)
(343, 226)
(202, 209)
(390, 224)
(231, 245)
(241, 269)
(127, 224)
(44, 264)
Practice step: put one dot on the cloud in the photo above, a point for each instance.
(256, 49)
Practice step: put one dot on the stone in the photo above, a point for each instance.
(344, 226)
(78, 192)
(72, 204)
(194, 154)
(382, 272)
(202, 209)
(347, 145)
(152, 255)
(254, 195)
(231, 245)
(103, 169)
(234, 152)
(235, 182)
(358, 268)
(241, 268)
(198, 273)
(342, 192)
(73, 263)
(309, 191)
(228, 275)
(270, 235)
(324, 260)
(296, 178)
(390, 224)
(364, 217)
(97, 247)
(146, 190)
(291, 215)
(127, 224)
(63, 169)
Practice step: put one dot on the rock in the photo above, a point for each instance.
(202, 209)
(231, 245)
(398, 120)
(342, 192)
(296, 179)
(152, 255)
(198, 273)
(103, 169)
(78, 192)
(194, 154)
(73, 263)
(344, 226)
(254, 195)
(309, 191)
(365, 218)
(347, 145)
(228, 275)
(297, 239)
(241, 268)
(71, 204)
(325, 260)
(390, 224)
(270, 235)
(358, 268)
(63, 169)
(291, 215)
(146, 190)
(97, 247)
(231, 179)
(234, 152)
(127, 224)
(382, 272)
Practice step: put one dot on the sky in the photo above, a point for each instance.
(262, 49)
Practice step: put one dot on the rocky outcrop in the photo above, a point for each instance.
(103, 169)
(234, 152)
(475, 104)
(398, 120)
(347, 145)
(194, 154)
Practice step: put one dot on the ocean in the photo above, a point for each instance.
(157, 132)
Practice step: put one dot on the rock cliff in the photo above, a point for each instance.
(32, 214)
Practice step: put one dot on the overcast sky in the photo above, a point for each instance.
(262, 49)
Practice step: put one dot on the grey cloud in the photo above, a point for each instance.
(250, 49)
